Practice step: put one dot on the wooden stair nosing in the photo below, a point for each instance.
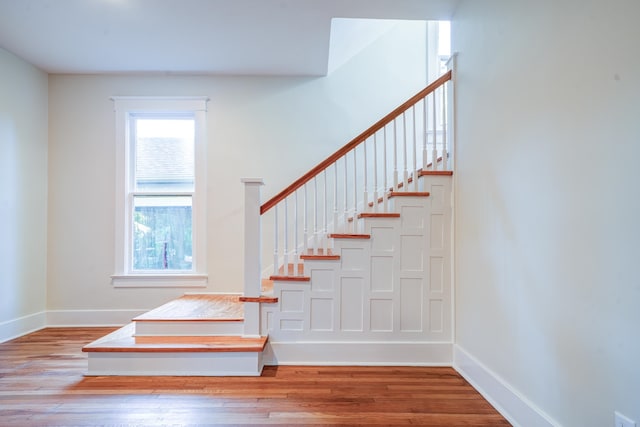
(290, 278)
(435, 173)
(349, 236)
(408, 194)
(378, 215)
(320, 257)
(261, 299)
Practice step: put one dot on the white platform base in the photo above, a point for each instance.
(358, 353)
(213, 364)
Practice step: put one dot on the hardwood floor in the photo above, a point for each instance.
(42, 384)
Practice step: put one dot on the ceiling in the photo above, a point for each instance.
(260, 37)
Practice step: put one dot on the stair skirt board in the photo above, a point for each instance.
(217, 364)
(359, 353)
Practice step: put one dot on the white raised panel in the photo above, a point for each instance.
(438, 197)
(351, 299)
(437, 231)
(292, 301)
(436, 316)
(412, 248)
(269, 321)
(411, 304)
(321, 314)
(353, 259)
(381, 315)
(291, 325)
(322, 280)
(382, 239)
(412, 217)
(436, 274)
(381, 273)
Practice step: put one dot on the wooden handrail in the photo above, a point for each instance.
(354, 143)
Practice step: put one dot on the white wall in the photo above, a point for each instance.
(23, 196)
(548, 202)
(275, 128)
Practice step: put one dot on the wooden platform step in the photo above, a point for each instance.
(124, 340)
(197, 307)
(123, 353)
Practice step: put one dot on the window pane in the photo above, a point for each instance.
(164, 154)
(162, 233)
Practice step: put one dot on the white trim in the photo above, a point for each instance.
(159, 280)
(146, 103)
(176, 364)
(516, 408)
(358, 353)
(24, 325)
(123, 107)
(81, 318)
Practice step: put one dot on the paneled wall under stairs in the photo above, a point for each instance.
(387, 300)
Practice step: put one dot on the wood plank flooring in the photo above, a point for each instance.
(42, 384)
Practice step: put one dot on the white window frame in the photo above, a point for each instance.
(124, 276)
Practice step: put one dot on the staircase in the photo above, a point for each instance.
(361, 270)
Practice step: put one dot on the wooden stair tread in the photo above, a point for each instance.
(124, 341)
(349, 236)
(197, 307)
(266, 299)
(378, 215)
(409, 194)
(435, 173)
(291, 278)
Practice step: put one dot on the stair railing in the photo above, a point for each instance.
(388, 156)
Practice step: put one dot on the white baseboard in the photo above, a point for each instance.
(15, 328)
(58, 318)
(359, 353)
(517, 409)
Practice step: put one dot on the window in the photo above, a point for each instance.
(160, 192)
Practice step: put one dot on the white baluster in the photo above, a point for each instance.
(316, 232)
(296, 258)
(346, 196)
(355, 190)
(325, 231)
(445, 154)
(415, 150)
(385, 175)
(275, 240)
(305, 220)
(434, 152)
(375, 172)
(365, 194)
(286, 236)
(425, 126)
(335, 197)
(405, 171)
(395, 155)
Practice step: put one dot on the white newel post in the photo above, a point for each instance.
(252, 254)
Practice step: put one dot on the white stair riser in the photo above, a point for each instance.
(188, 328)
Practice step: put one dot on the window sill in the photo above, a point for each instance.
(159, 280)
